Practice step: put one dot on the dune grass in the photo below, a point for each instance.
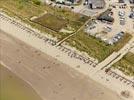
(50, 21)
(126, 64)
(25, 9)
(95, 47)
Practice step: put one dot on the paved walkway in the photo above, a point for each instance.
(37, 42)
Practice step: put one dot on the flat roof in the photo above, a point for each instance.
(97, 2)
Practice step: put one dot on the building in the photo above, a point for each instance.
(73, 1)
(106, 17)
(96, 4)
(121, 1)
(131, 1)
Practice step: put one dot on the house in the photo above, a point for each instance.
(105, 16)
(96, 4)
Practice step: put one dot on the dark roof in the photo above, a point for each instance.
(105, 16)
(131, 1)
(97, 3)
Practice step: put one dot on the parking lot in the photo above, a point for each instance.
(122, 23)
(128, 22)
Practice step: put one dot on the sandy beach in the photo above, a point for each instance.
(51, 79)
(32, 58)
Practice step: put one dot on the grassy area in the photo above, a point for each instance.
(13, 88)
(94, 47)
(25, 9)
(50, 21)
(126, 64)
(21, 8)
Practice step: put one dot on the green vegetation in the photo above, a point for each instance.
(94, 47)
(126, 64)
(52, 22)
(37, 2)
(13, 88)
(25, 9)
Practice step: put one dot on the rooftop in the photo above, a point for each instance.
(97, 2)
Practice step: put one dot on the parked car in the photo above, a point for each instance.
(122, 21)
(121, 13)
(132, 15)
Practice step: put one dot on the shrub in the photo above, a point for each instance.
(37, 2)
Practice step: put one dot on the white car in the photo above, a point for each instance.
(121, 13)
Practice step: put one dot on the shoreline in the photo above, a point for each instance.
(52, 51)
(26, 84)
(57, 72)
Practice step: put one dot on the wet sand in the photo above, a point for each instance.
(51, 79)
(13, 88)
